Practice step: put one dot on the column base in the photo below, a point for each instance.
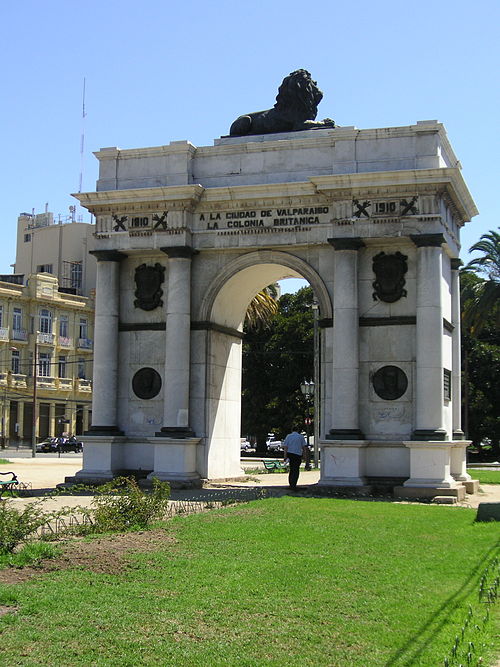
(175, 432)
(423, 434)
(112, 431)
(343, 463)
(457, 492)
(458, 435)
(175, 461)
(344, 434)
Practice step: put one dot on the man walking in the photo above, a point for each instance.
(294, 446)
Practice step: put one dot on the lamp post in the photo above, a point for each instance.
(307, 388)
(34, 410)
(317, 416)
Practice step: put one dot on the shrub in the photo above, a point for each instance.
(121, 505)
(17, 525)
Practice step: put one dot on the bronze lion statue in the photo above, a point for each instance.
(295, 109)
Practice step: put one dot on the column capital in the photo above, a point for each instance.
(427, 240)
(351, 243)
(455, 263)
(179, 251)
(108, 255)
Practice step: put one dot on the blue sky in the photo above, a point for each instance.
(158, 71)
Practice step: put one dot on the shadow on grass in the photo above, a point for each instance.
(407, 655)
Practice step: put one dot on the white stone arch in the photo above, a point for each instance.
(241, 275)
(223, 310)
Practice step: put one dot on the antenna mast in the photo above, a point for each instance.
(82, 141)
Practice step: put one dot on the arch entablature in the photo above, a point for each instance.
(248, 274)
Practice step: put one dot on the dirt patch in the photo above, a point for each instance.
(104, 555)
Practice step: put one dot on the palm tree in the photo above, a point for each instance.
(481, 296)
(262, 308)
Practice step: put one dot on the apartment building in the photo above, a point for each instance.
(59, 247)
(43, 326)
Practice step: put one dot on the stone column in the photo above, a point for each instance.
(429, 339)
(177, 344)
(456, 372)
(52, 419)
(85, 418)
(105, 382)
(345, 390)
(20, 421)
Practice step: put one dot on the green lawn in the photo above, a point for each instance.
(288, 581)
(486, 476)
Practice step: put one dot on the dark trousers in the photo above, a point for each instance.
(293, 474)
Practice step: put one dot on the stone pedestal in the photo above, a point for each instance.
(459, 466)
(102, 458)
(343, 463)
(430, 472)
(175, 460)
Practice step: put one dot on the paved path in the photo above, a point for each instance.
(45, 473)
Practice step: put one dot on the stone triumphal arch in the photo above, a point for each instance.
(186, 236)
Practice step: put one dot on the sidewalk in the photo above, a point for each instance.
(45, 474)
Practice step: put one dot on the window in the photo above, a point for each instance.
(63, 326)
(1, 316)
(83, 327)
(27, 238)
(81, 368)
(44, 268)
(44, 364)
(17, 319)
(15, 365)
(45, 321)
(447, 384)
(62, 367)
(76, 275)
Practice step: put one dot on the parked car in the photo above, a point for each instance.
(245, 446)
(47, 446)
(274, 446)
(59, 445)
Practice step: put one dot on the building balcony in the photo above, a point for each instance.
(45, 338)
(9, 379)
(19, 334)
(84, 385)
(18, 380)
(4, 333)
(85, 344)
(64, 384)
(65, 342)
(44, 382)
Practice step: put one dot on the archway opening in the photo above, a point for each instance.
(231, 298)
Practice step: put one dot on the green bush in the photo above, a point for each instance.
(121, 505)
(17, 525)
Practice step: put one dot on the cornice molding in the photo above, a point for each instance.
(108, 255)
(428, 240)
(343, 243)
(179, 252)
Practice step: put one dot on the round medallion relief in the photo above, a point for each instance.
(146, 383)
(390, 383)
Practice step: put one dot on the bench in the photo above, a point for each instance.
(271, 466)
(8, 484)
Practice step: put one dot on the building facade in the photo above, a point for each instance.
(60, 248)
(42, 326)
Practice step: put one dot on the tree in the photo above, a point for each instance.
(262, 308)
(481, 297)
(275, 361)
(481, 344)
